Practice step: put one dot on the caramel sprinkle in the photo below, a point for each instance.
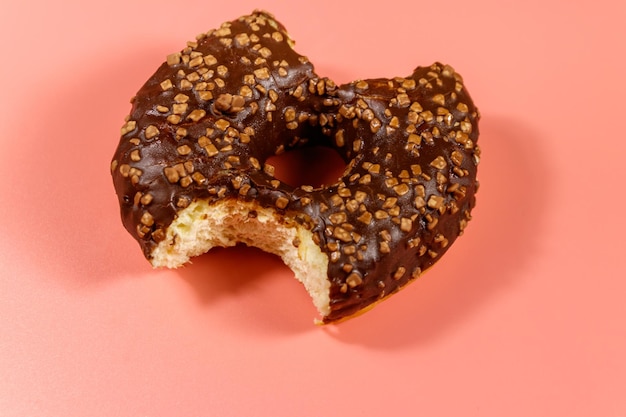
(439, 163)
(151, 131)
(399, 273)
(184, 150)
(196, 115)
(282, 202)
(342, 234)
(354, 280)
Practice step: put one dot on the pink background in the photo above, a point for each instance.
(525, 316)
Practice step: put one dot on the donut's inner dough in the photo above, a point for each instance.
(201, 226)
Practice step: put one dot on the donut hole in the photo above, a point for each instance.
(316, 166)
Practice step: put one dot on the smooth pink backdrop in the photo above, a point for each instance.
(523, 317)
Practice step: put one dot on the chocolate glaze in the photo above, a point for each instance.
(204, 124)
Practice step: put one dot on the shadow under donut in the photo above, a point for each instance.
(250, 288)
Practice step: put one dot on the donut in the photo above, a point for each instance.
(191, 169)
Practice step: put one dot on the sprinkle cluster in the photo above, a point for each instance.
(410, 184)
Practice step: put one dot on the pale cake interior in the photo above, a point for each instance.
(202, 226)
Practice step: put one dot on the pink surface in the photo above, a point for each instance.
(523, 317)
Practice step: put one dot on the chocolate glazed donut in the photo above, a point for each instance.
(190, 170)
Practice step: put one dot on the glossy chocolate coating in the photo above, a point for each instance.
(204, 124)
